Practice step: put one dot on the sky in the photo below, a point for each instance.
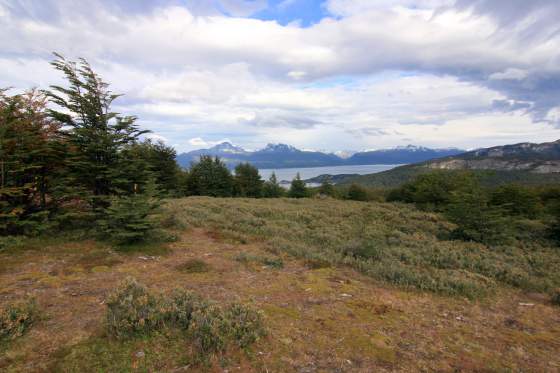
(326, 75)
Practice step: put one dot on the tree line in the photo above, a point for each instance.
(68, 161)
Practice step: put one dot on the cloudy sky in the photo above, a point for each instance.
(329, 75)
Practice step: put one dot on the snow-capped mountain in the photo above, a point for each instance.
(286, 156)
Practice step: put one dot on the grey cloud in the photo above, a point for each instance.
(281, 120)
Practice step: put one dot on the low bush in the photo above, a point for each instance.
(194, 266)
(209, 329)
(180, 307)
(265, 260)
(245, 325)
(16, 319)
(132, 310)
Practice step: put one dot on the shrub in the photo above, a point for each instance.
(517, 200)
(194, 266)
(132, 310)
(209, 329)
(181, 306)
(245, 324)
(16, 319)
(357, 193)
(364, 249)
(475, 219)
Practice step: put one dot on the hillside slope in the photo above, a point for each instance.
(525, 163)
(406, 311)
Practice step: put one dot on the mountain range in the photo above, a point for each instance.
(524, 163)
(287, 156)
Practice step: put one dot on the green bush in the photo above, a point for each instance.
(245, 325)
(209, 329)
(357, 193)
(16, 319)
(476, 220)
(180, 307)
(364, 249)
(132, 310)
(517, 200)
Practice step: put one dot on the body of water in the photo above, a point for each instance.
(287, 174)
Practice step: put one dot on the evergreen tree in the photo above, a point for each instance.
(476, 220)
(516, 200)
(30, 158)
(298, 188)
(96, 134)
(209, 177)
(131, 218)
(357, 193)
(271, 188)
(248, 182)
(153, 159)
(327, 188)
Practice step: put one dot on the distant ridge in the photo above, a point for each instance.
(287, 156)
(524, 163)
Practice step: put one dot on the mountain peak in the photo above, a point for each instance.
(278, 148)
(227, 147)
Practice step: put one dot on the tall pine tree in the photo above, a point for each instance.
(95, 133)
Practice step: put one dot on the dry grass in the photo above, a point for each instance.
(327, 319)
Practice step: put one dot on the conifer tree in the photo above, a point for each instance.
(209, 177)
(248, 182)
(96, 134)
(298, 188)
(130, 219)
(271, 188)
(30, 158)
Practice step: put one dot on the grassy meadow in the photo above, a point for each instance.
(341, 286)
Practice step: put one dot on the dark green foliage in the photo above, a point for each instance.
(209, 177)
(357, 193)
(555, 299)
(96, 135)
(31, 156)
(245, 325)
(327, 187)
(16, 319)
(156, 160)
(432, 191)
(209, 329)
(476, 219)
(248, 182)
(298, 188)
(516, 200)
(180, 307)
(364, 249)
(130, 219)
(271, 188)
(132, 310)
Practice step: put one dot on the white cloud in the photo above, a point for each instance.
(376, 72)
